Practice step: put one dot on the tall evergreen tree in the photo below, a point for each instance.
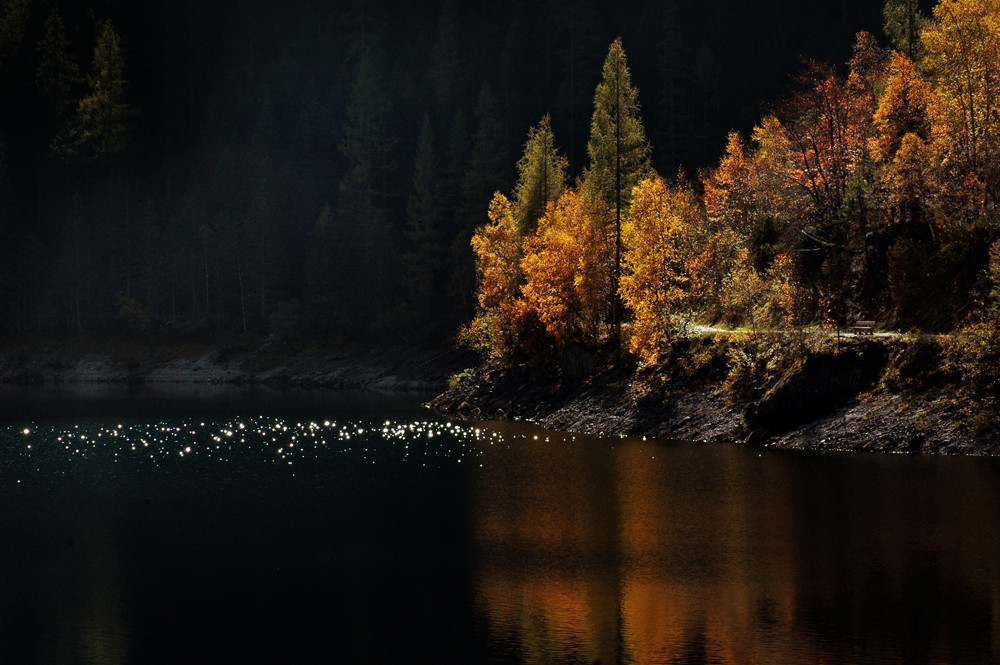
(365, 260)
(57, 73)
(903, 22)
(448, 65)
(618, 149)
(14, 19)
(423, 228)
(102, 116)
(485, 172)
(541, 176)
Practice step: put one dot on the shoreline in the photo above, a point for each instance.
(861, 399)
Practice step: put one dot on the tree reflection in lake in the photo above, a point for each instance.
(645, 552)
(272, 538)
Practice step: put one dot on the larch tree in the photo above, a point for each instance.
(899, 140)
(903, 22)
(618, 149)
(541, 176)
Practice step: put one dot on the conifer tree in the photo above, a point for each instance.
(423, 226)
(541, 176)
(102, 129)
(365, 260)
(618, 149)
(903, 22)
(57, 72)
(484, 174)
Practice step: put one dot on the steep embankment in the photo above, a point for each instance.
(886, 395)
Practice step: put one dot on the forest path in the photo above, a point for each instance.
(712, 330)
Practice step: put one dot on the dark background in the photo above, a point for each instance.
(241, 135)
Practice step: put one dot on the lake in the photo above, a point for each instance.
(143, 528)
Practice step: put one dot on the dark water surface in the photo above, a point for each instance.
(350, 530)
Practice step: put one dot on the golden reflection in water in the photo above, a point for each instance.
(639, 553)
(85, 605)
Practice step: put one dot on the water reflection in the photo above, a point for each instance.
(656, 553)
(64, 596)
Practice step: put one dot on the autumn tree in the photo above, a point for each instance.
(618, 149)
(902, 107)
(963, 57)
(564, 271)
(974, 354)
(903, 22)
(657, 236)
(498, 249)
(541, 176)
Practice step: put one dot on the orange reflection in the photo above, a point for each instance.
(643, 553)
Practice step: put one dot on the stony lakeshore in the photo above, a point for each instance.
(886, 396)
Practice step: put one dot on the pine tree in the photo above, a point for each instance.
(448, 66)
(14, 18)
(541, 176)
(484, 174)
(618, 149)
(102, 129)
(423, 227)
(57, 73)
(365, 259)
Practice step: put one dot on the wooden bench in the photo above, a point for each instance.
(863, 327)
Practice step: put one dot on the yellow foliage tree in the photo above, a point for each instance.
(657, 238)
(963, 56)
(498, 249)
(565, 266)
(744, 290)
(731, 188)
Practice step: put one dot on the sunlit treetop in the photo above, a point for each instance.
(541, 176)
(618, 149)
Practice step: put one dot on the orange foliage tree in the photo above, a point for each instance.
(565, 269)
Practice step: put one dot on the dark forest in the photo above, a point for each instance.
(266, 168)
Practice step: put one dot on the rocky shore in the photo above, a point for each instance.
(870, 396)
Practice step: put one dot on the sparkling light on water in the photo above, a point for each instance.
(429, 443)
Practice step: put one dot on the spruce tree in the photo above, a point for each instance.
(541, 176)
(423, 228)
(365, 259)
(618, 149)
(57, 73)
(484, 173)
(102, 129)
